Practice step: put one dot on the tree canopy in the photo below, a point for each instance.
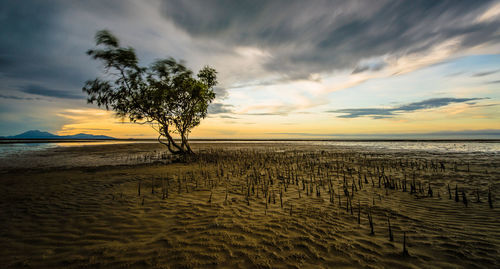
(165, 94)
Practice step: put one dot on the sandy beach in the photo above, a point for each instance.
(239, 205)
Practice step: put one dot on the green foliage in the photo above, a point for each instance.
(165, 94)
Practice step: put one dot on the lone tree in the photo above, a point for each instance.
(165, 94)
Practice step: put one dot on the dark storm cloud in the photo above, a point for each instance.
(381, 113)
(42, 91)
(26, 36)
(306, 37)
(35, 48)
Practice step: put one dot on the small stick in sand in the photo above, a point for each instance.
(153, 185)
(359, 212)
(464, 198)
(490, 201)
(142, 200)
(391, 237)
(281, 198)
(405, 251)
(477, 196)
(225, 200)
(139, 188)
(163, 189)
(350, 204)
(370, 219)
(210, 198)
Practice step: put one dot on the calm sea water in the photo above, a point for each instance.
(434, 146)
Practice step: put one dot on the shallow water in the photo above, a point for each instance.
(104, 153)
(493, 146)
(8, 149)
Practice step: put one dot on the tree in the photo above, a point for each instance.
(165, 94)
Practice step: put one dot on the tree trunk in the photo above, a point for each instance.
(185, 144)
(173, 147)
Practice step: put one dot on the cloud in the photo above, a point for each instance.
(17, 97)
(253, 44)
(35, 47)
(42, 91)
(219, 108)
(270, 109)
(369, 65)
(220, 93)
(305, 38)
(364, 68)
(482, 74)
(435, 102)
(382, 113)
(86, 129)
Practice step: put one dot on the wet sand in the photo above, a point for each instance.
(122, 206)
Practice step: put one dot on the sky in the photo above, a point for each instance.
(286, 69)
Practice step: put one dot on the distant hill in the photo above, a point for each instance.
(36, 134)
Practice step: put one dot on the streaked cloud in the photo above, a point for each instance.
(305, 38)
(482, 74)
(219, 108)
(42, 91)
(12, 97)
(382, 113)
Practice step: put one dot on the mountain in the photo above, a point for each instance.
(87, 136)
(36, 134)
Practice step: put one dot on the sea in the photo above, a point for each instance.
(439, 146)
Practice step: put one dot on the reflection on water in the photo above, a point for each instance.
(435, 146)
(17, 148)
(7, 149)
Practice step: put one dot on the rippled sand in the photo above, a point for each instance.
(59, 211)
